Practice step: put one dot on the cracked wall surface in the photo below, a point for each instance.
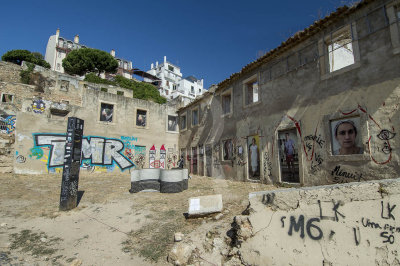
(346, 224)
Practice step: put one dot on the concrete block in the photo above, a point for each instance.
(203, 205)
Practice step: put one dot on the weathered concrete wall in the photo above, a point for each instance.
(346, 224)
(118, 145)
(36, 120)
(298, 95)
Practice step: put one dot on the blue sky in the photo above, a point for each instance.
(207, 39)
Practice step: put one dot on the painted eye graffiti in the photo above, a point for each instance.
(386, 134)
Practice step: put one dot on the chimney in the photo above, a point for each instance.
(112, 53)
(151, 66)
(76, 39)
(165, 59)
(57, 33)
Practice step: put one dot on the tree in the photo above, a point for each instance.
(17, 56)
(85, 60)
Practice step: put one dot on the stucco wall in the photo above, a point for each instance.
(298, 95)
(36, 120)
(346, 224)
(119, 145)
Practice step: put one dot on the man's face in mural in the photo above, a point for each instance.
(346, 135)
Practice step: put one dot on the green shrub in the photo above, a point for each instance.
(26, 75)
(141, 90)
(17, 56)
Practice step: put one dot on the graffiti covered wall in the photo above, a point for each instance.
(329, 225)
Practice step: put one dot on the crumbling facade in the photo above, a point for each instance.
(321, 108)
(121, 132)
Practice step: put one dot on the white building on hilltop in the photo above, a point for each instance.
(58, 48)
(172, 84)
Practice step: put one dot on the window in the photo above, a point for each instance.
(172, 123)
(106, 112)
(120, 93)
(104, 89)
(170, 68)
(7, 98)
(64, 85)
(182, 121)
(340, 50)
(192, 89)
(166, 92)
(226, 101)
(200, 91)
(250, 90)
(58, 66)
(195, 116)
(141, 118)
(393, 13)
(174, 87)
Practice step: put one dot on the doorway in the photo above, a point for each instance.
(253, 154)
(208, 159)
(194, 161)
(201, 160)
(289, 156)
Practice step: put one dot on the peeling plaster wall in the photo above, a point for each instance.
(302, 97)
(36, 120)
(346, 224)
(119, 145)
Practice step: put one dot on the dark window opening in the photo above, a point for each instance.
(141, 118)
(106, 112)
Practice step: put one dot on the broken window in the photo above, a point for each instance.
(141, 118)
(251, 92)
(182, 122)
(64, 86)
(172, 123)
(7, 98)
(195, 117)
(226, 103)
(120, 93)
(106, 112)
(227, 149)
(340, 50)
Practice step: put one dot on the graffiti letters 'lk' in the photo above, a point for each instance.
(101, 151)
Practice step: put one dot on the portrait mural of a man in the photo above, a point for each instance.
(346, 139)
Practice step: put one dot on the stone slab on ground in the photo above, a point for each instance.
(204, 205)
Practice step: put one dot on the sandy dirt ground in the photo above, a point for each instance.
(110, 226)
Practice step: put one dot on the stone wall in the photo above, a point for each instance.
(347, 224)
(9, 72)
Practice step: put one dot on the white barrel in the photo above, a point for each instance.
(135, 175)
(150, 174)
(174, 175)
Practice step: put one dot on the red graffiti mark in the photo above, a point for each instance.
(349, 113)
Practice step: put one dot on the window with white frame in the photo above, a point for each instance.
(251, 90)
(340, 49)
